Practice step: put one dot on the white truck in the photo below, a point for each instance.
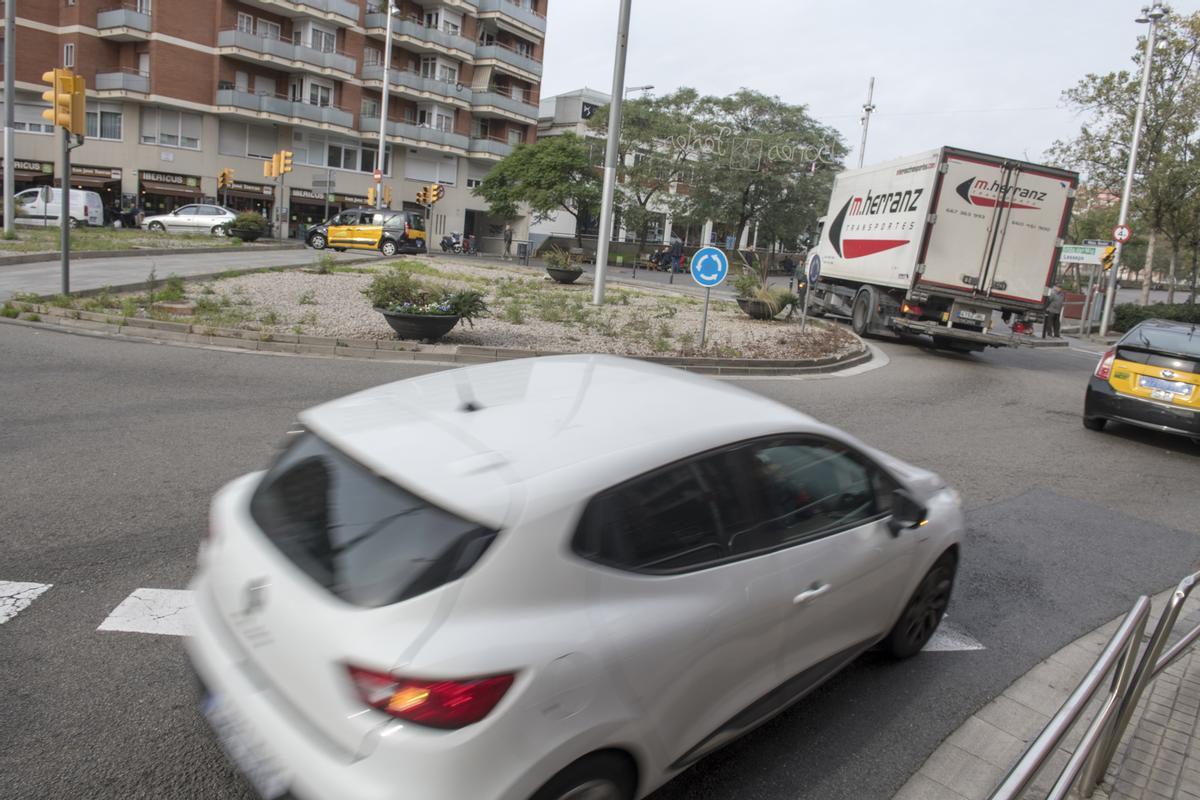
(936, 243)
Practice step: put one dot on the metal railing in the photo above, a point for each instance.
(1130, 677)
(125, 16)
(123, 79)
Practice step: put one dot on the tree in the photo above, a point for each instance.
(1101, 151)
(550, 175)
(648, 163)
(753, 152)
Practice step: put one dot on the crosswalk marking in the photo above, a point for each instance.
(161, 611)
(949, 638)
(15, 597)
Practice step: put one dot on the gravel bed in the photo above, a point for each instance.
(527, 311)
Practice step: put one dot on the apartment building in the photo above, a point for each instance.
(180, 89)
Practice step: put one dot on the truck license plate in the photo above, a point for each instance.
(972, 315)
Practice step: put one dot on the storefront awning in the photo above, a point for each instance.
(170, 189)
(260, 196)
(92, 180)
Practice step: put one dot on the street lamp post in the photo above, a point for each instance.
(645, 88)
(10, 66)
(390, 10)
(610, 154)
(1150, 14)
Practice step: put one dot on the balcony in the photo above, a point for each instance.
(490, 148)
(413, 83)
(282, 50)
(341, 8)
(506, 104)
(445, 140)
(124, 24)
(125, 80)
(414, 32)
(526, 19)
(282, 106)
(466, 6)
(527, 66)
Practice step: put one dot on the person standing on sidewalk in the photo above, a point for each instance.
(508, 242)
(676, 254)
(1054, 307)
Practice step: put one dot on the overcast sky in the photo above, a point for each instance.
(982, 74)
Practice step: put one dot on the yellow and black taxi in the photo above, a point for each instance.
(1150, 378)
(389, 232)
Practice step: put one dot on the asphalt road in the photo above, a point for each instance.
(111, 450)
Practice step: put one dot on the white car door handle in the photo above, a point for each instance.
(810, 594)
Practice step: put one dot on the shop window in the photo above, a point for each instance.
(104, 122)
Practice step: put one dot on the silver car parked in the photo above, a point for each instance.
(193, 218)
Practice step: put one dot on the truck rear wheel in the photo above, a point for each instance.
(863, 310)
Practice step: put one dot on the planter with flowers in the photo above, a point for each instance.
(561, 266)
(416, 310)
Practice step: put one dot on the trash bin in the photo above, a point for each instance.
(523, 252)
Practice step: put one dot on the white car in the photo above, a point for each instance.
(193, 218)
(502, 582)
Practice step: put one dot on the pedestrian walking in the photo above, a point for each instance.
(1054, 306)
(676, 254)
(508, 242)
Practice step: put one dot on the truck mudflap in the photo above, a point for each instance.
(930, 328)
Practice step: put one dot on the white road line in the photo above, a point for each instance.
(16, 596)
(949, 638)
(162, 611)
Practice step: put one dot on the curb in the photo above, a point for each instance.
(182, 333)
(973, 759)
(52, 256)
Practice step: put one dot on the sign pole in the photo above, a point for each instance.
(804, 313)
(709, 267)
(704, 318)
(1085, 322)
(64, 217)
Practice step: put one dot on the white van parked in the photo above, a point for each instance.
(42, 205)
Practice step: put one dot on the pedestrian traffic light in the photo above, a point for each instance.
(387, 196)
(1106, 260)
(285, 161)
(225, 178)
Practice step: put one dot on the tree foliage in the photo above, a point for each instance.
(555, 173)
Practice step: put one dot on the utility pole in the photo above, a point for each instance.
(390, 10)
(1151, 14)
(866, 121)
(10, 65)
(610, 154)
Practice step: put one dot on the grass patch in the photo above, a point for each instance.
(37, 239)
(9, 311)
(324, 263)
(309, 318)
(33, 317)
(61, 301)
(172, 291)
(514, 312)
(130, 306)
(307, 298)
(270, 317)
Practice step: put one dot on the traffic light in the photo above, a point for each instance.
(225, 178)
(371, 196)
(277, 164)
(78, 124)
(59, 97)
(1106, 260)
(285, 161)
(269, 169)
(435, 192)
(387, 196)
(423, 196)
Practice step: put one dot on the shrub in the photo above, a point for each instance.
(248, 226)
(558, 258)
(395, 287)
(467, 303)
(1126, 315)
(172, 290)
(9, 311)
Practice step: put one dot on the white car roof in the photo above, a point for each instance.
(464, 438)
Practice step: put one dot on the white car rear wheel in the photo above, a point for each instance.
(218, 230)
(600, 776)
(157, 226)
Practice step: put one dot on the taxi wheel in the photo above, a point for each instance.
(1094, 423)
(388, 248)
(317, 242)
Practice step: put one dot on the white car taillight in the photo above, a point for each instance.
(444, 704)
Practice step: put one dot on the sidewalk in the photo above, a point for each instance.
(1159, 756)
(44, 277)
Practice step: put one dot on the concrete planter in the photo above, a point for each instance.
(564, 275)
(757, 308)
(425, 327)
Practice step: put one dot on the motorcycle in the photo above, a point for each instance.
(452, 243)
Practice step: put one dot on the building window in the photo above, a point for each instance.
(429, 65)
(449, 74)
(428, 168)
(515, 136)
(104, 122)
(68, 55)
(372, 56)
(370, 108)
(319, 94)
(28, 119)
(318, 151)
(323, 40)
(473, 182)
(524, 49)
(269, 30)
(169, 128)
(143, 7)
(245, 22)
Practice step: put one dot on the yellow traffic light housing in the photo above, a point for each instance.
(423, 197)
(1106, 260)
(371, 196)
(78, 124)
(285, 161)
(68, 100)
(225, 178)
(269, 169)
(436, 192)
(277, 164)
(387, 196)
